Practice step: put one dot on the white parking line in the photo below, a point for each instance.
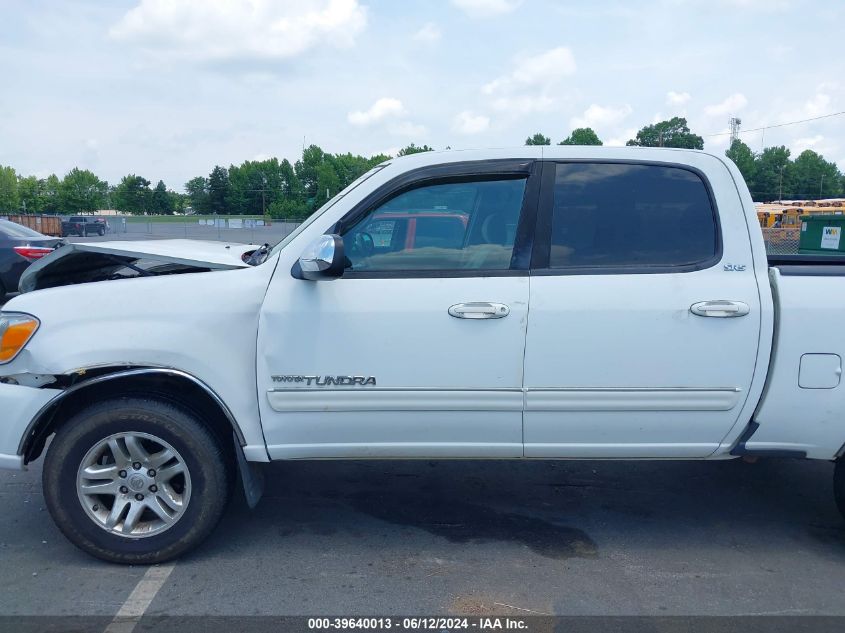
(139, 600)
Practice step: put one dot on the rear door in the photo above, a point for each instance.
(645, 315)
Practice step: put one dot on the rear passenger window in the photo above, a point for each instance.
(610, 215)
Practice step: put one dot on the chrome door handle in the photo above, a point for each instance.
(479, 310)
(720, 308)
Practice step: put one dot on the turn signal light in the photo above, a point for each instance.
(15, 332)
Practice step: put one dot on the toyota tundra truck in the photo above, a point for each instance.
(554, 303)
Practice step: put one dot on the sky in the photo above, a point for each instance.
(167, 89)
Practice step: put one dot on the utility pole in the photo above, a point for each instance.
(780, 195)
(263, 189)
(821, 184)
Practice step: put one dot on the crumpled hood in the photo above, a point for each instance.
(100, 261)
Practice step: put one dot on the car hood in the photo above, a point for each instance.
(101, 261)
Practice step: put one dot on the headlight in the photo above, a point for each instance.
(15, 332)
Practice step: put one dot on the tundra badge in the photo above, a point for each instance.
(326, 381)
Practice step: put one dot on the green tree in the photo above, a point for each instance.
(328, 183)
(773, 178)
(289, 208)
(219, 190)
(82, 192)
(814, 177)
(197, 189)
(178, 201)
(132, 195)
(538, 139)
(582, 136)
(9, 198)
(29, 191)
(744, 159)
(671, 133)
(258, 184)
(160, 200)
(413, 149)
(51, 194)
(306, 171)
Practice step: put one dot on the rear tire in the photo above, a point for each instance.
(127, 514)
(839, 485)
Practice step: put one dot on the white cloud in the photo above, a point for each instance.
(764, 5)
(383, 108)
(730, 105)
(619, 141)
(677, 98)
(429, 32)
(486, 8)
(536, 70)
(525, 104)
(818, 105)
(530, 85)
(203, 30)
(597, 116)
(467, 122)
(408, 129)
(812, 142)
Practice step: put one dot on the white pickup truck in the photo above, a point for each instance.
(537, 303)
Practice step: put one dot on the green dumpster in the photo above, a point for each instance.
(822, 234)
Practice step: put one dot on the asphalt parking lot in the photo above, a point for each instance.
(508, 538)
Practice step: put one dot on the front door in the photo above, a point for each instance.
(417, 350)
(619, 362)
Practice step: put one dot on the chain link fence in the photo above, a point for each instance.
(218, 228)
(782, 241)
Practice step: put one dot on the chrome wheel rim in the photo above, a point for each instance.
(133, 485)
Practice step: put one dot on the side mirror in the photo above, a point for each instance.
(324, 259)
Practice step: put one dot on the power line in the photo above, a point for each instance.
(768, 127)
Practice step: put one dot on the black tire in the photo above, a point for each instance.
(101, 232)
(211, 475)
(839, 485)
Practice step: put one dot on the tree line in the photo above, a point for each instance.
(773, 175)
(281, 189)
(671, 133)
(770, 174)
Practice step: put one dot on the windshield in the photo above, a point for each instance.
(13, 229)
(328, 205)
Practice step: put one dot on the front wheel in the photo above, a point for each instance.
(839, 484)
(134, 480)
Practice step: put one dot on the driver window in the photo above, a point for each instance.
(451, 226)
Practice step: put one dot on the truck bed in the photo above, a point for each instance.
(808, 265)
(801, 409)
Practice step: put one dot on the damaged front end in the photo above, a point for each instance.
(104, 261)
